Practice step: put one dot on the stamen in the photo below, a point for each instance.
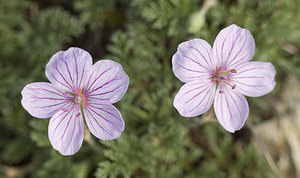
(64, 109)
(84, 103)
(221, 91)
(220, 69)
(233, 70)
(78, 114)
(233, 87)
(79, 91)
(213, 80)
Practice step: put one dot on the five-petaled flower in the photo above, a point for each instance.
(222, 74)
(78, 90)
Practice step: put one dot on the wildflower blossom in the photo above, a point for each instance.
(78, 90)
(221, 75)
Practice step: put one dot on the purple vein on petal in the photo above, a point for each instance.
(51, 105)
(32, 88)
(77, 86)
(82, 75)
(229, 110)
(239, 72)
(190, 69)
(98, 78)
(113, 123)
(185, 56)
(107, 91)
(68, 124)
(209, 55)
(108, 82)
(229, 63)
(73, 129)
(61, 82)
(36, 97)
(194, 89)
(237, 61)
(95, 98)
(59, 122)
(250, 77)
(217, 44)
(200, 54)
(63, 78)
(201, 102)
(107, 112)
(197, 94)
(67, 66)
(98, 122)
(248, 84)
(233, 45)
(236, 104)
(222, 51)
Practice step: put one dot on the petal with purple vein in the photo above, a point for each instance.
(254, 78)
(231, 108)
(69, 69)
(43, 100)
(192, 60)
(103, 120)
(107, 81)
(194, 98)
(65, 131)
(233, 46)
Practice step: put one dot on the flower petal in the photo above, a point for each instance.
(194, 98)
(233, 46)
(65, 131)
(108, 81)
(69, 69)
(231, 108)
(104, 120)
(43, 100)
(192, 60)
(254, 78)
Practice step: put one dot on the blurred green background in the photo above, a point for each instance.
(142, 35)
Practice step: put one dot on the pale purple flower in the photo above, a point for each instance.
(221, 75)
(78, 90)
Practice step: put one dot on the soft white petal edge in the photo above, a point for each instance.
(254, 78)
(42, 99)
(233, 46)
(231, 108)
(192, 60)
(104, 120)
(69, 69)
(108, 81)
(194, 98)
(65, 131)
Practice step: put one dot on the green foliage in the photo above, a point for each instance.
(142, 35)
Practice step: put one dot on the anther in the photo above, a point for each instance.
(84, 103)
(221, 91)
(79, 91)
(220, 69)
(233, 70)
(78, 114)
(233, 86)
(213, 80)
(64, 109)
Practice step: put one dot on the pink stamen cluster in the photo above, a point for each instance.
(80, 98)
(221, 75)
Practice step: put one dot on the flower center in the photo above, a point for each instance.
(80, 98)
(223, 76)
